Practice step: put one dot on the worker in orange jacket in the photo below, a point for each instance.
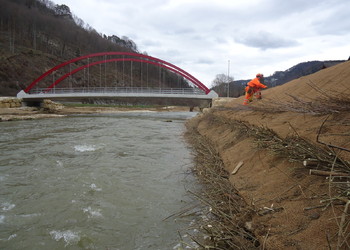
(254, 87)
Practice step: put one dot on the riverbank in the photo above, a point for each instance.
(288, 162)
(30, 113)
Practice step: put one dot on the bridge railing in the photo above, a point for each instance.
(177, 91)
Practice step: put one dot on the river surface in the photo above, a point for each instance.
(103, 181)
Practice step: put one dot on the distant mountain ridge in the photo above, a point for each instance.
(236, 87)
(299, 70)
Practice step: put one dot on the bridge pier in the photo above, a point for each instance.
(32, 103)
(29, 102)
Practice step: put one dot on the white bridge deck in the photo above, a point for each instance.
(110, 92)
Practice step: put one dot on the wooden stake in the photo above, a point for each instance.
(326, 173)
(240, 164)
(310, 162)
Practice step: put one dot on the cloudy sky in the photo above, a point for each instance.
(235, 37)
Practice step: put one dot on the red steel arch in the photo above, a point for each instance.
(146, 59)
(114, 60)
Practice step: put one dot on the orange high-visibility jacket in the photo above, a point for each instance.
(255, 83)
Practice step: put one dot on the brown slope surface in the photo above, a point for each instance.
(292, 208)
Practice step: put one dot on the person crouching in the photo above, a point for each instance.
(254, 88)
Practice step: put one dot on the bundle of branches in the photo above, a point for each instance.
(326, 103)
(226, 212)
(294, 148)
(334, 102)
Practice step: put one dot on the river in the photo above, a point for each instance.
(104, 181)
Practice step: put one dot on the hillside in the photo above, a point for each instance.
(36, 35)
(277, 78)
(299, 70)
(295, 72)
(275, 203)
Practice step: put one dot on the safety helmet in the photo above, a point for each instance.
(259, 75)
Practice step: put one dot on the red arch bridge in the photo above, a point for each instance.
(35, 94)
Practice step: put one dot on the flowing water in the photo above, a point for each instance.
(102, 181)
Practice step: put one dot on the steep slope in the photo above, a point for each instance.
(305, 118)
(299, 70)
(278, 78)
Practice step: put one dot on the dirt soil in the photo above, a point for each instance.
(300, 216)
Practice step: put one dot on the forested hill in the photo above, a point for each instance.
(36, 35)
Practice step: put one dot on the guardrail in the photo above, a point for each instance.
(177, 91)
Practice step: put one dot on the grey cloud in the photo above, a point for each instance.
(178, 31)
(205, 61)
(280, 9)
(200, 36)
(336, 22)
(265, 40)
(150, 43)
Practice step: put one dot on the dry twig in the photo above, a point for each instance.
(222, 204)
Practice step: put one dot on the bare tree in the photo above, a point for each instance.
(221, 84)
(63, 10)
(222, 79)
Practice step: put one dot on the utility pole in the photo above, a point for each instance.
(228, 79)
